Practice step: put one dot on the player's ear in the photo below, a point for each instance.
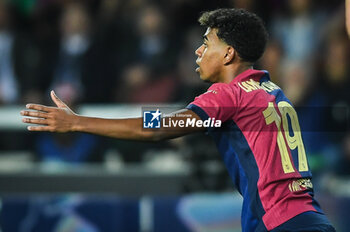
(230, 55)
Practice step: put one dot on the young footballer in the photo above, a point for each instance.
(259, 139)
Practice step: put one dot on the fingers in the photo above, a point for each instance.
(39, 107)
(36, 114)
(56, 100)
(39, 128)
(42, 122)
(38, 121)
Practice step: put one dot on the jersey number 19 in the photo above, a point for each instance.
(294, 141)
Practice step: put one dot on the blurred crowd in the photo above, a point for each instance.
(142, 51)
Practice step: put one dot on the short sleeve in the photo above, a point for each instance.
(218, 102)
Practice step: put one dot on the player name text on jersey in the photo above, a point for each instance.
(251, 85)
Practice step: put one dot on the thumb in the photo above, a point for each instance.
(57, 101)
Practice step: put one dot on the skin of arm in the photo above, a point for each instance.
(63, 119)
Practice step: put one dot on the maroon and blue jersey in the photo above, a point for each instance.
(261, 144)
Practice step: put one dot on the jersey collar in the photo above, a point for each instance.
(251, 74)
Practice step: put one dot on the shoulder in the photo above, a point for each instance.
(221, 92)
(222, 89)
(218, 94)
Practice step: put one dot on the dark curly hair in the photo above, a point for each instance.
(242, 30)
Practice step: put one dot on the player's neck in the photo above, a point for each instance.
(230, 72)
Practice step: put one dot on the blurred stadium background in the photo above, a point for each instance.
(108, 58)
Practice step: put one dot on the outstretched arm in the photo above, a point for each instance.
(63, 119)
(347, 16)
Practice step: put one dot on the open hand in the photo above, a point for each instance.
(53, 119)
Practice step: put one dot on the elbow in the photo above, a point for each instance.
(156, 137)
(151, 136)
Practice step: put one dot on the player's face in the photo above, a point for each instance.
(210, 55)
